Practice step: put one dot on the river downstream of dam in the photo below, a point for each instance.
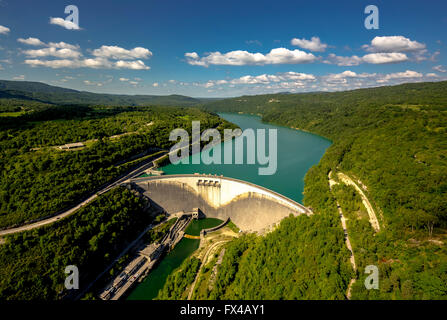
(297, 151)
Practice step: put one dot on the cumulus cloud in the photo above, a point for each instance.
(314, 44)
(115, 52)
(393, 44)
(345, 75)
(134, 65)
(63, 45)
(92, 83)
(373, 58)
(31, 41)
(264, 79)
(383, 58)
(64, 23)
(4, 30)
(124, 79)
(404, 75)
(241, 58)
(439, 68)
(53, 52)
(70, 56)
(343, 61)
(301, 82)
(97, 63)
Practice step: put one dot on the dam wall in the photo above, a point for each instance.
(251, 207)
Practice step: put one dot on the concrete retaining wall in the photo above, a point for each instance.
(249, 206)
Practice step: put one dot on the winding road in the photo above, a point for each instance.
(134, 173)
(347, 241)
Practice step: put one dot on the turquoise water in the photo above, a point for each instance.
(297, 152)
(156, 279)
(196, 226)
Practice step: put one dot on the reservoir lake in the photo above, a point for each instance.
(297, 151)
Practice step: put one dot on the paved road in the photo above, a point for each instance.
(70, 211)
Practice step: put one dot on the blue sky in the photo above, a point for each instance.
(222, 48)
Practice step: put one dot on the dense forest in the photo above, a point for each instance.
(393, 139)
(32, 263)
(38, 179)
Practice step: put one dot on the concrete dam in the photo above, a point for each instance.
(251, 207)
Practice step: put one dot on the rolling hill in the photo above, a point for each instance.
(44, 93)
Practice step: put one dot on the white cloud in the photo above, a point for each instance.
(240, 58)
(134, 65)
(21, 77)
(292, 78)
(343, 61)
(4, 30)
(92, 83)
(439, 68)
(31, 41)
(63, 45)
(382, 58)
(393, 44)
(115, 52)
(70, 56)
(124, 79)
(300, 82)
(55, 64)
(53, 52)
(64, 23)
(155, 84)
(52, 49)
(133, 82)
(97, 63)
(343, 76)
(269, 78)
(373, 58)
(404, 75)
(314, 44)
(192, 55)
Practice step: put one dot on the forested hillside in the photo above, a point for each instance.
(38, 179)
(394, 140)
(43, 93)
(32, 263)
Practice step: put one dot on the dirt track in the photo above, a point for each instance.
(371, 213)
